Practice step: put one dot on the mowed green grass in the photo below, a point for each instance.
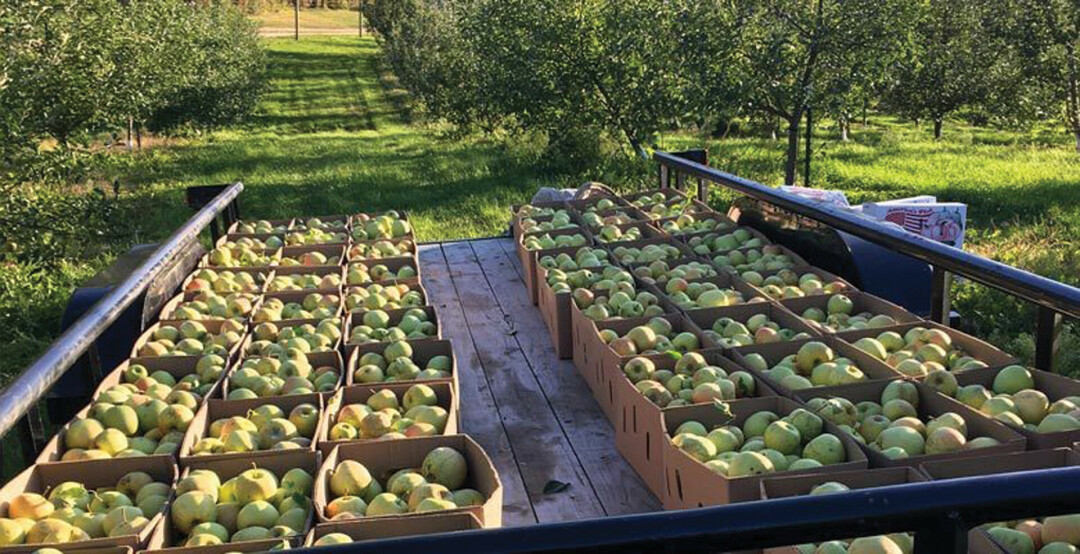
(315, 18)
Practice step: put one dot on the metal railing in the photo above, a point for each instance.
(1053, 298)
(20, 396)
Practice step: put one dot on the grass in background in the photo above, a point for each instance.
(310, 18)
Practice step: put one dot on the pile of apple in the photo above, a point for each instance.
(757, 329)
(360, 274)
(381, 249)
(210, 305)
(382, 297)
(768, 258)
(658, 206)
(305, 281)
(191, 338)
(266, 427)
(315, 235)
(308, 259)
(376, 327)
(385, 416)
(318, 223)
(894, 426)
(918, 352)
(288, 373)
(313, 306)
(396, 364)
(696, 295)
(73, 513)
(270, 340)
(240, 255)
(685, 224)
(660, 273)
(622, 302)
(595, 221)
(146, 414)
(225, 281)
(546, 242)
(389, 225)
(558, 220)
(693, 381)
(252, 506)
(584, 258)
(528, 210)
(838, 316)
(613, 233)
(765, 444)
(786, 283)
(1014, 400)
(435, 485)
(650, 253)
(738, 239)
(813, 365)
(655, 337)
(895, 543)
(1052, 535)
(261, 227)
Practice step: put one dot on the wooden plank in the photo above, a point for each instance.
(592, 437)
(479, 415)
(542, 450)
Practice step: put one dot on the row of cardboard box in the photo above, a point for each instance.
(381, 459)
(331, 223)
(336, 256)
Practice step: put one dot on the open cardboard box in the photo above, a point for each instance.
(288, 223)
(316, 359)
(669, 194)
(279, 462)
(177, 366)
(320, 271)
(358, 394)
(862, 301)
(585, 354)
(672, 264)
(704, 319)
(413, 284)
(394, 265)
(168, 311)
(724, 281)
(931, 405)
(529, 258)
(754, 233)
(213, 327)
(406, 245)
(516, 217)
(631, 214)
(778, 249)
(366, 529)
(535, 275)
(647, 229)
(260, 275)
(423, 351)
(356, 318)
(274, 255)
(980, 350)
(245, 350)
(824, 276)
(297, 297)
(94, 474)
(639, 424)
(1053, 385)
(335, 254)
(383, 458)
(690, 484)
(659, 239)
(214, 410)
(260, 238)
(724, 225)
(874, 369)
(300, 223)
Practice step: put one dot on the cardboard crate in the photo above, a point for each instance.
(288, 223)
(824, 276)
(178, 367)
(708, 237)
(366, 529)
(528, 258)
(874, 369)
(643, 275)
(407, 245)
(555, 311)
(661, 239)
(213, 326)
(668, 192)
(321, 271)
(413, 284)
(705, 319)
(639, 424)
(335, 254)
(630, 214)
(516, 217)
(779, 249)
(356, 318)
(220, 409)
(978, 349)
(423, 351)
(300, 224)
(648, 231)
(862, 301)
(278, 462)
(1053, 385)
(257, 238)
(245, 345)
(593, 199)
(710, 488)
(94, 474)
(382, 458)
(931, 404)
(725, 281)
(358, 394)
(316, 359)
(273, 253)
(168, 311)
(261, 276)
(392, 264)
(297, 297)
(724, 225)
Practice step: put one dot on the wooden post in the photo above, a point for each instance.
(296, 19)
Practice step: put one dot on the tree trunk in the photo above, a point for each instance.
(1072, 107)
(792, 150)
(130, 134)
(844, 128)
(864, 109)
(937, 128)
(639, 149)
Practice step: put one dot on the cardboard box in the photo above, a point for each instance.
(358, 394)
(94, 474)
(297, 297)
(662, 239)
(321, 271)
(555, 311)
(316, 359)
(824, 276)
(288, 223)
(581, 205)
(261, 276)
(168, 311)
(690, 484)
(406, 245)
(724, 225)
(723, 280)
(624, 213)
(529, 258)
(394, 265)
(639, 425)
(754, 233)
(423, 351)
(708, 270)
(273, 253)
(300, 223)
(1053, 385)
(414, 284)
(256, 238)
(278, 462)
(335, 253)
(862, 301)
(216, 409)
(668, 192)
(931, 404)
(366, 529)
(978, 349)
(245, 350)
(778, 249)
(383, 458)
(648, 231)
(706, 318)
(356, 318)
(874, 369)
(178, 367)
(213, 326)
(516, 215)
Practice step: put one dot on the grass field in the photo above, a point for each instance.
(277, 22)
(333, 135)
